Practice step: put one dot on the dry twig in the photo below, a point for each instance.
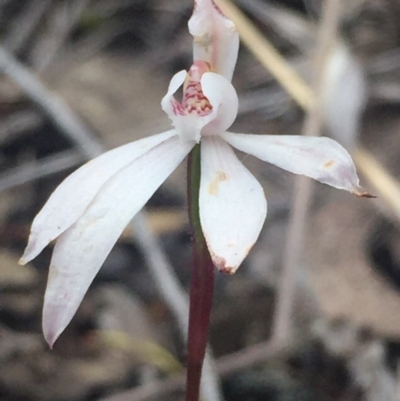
(64, 18)
(224, 366)
(24, 24)
(17, 123)
(38, 169)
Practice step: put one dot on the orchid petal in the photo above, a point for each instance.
(188, 125)
(232, 205)
(222, 97)
(215, 38)
(82, 249)
(68, 202)
(320, 158)
(224, 100)
(168, 103)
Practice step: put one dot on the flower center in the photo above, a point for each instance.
(194, 100)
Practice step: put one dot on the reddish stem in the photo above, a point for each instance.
(202, 284)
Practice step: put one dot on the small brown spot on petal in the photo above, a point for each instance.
(227, 270)
(220, 264)
(205, 40)
(219, 176)
(329, 164)
(247, 250)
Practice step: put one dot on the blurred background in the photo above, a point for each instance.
(107, 64)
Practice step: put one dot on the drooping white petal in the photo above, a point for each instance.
(320, 158)
(73, 195)
(82, 249)
(215, 38)
(232, 205)
(224, 100)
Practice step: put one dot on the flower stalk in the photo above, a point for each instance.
(202, 283)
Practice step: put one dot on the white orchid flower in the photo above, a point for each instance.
(89, 210)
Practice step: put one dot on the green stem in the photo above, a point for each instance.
(202, 284)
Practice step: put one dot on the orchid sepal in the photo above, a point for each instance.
(320, 158)
(64, 207)
(215, 38)
(232, 205)
(81, 250)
